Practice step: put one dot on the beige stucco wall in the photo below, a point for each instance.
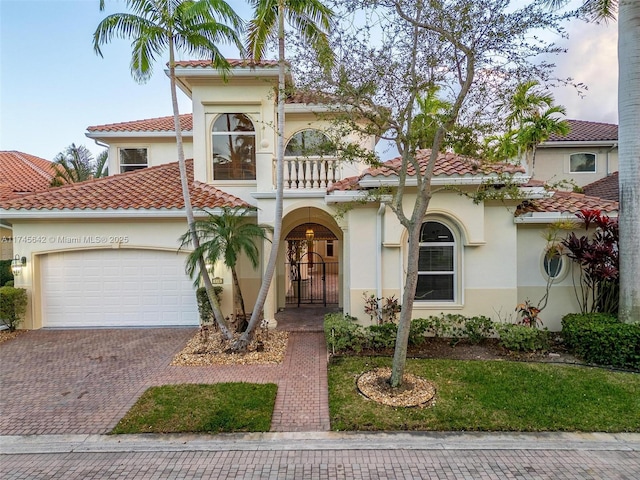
(532, 280)
(160, 151)
(37, 238)
(486, 256)
(552, 164)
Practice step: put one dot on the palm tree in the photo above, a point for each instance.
(226, 237)
(191, 26)
(312, 20)
(76, 164)
(628, 13)
(533, 116)
(426, 123)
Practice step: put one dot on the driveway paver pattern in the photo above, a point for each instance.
(84, 381)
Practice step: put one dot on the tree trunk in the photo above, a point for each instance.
(629, 158)
(237, 294)
(217, 313)
(267, 278)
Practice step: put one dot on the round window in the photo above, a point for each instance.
(552, 263)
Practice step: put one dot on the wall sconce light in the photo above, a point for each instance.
(17, 264)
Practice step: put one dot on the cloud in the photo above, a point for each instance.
(591, 59)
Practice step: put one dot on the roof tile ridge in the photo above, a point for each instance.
(164, 117)
(35, 167)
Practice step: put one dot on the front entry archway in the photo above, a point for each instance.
(312, 267)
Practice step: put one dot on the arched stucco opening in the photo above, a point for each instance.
(310, 259)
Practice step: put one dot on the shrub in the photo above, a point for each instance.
(13, 306)
(453, 326)
(476, 329)
(602, 339)
(342, 333)
(382, 336)
(5, 272)
(520, 338)
(204, 305)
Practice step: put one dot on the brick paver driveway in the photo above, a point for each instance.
(84, 381)
(79, 381)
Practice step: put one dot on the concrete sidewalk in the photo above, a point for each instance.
(316, 456)
(317, 441)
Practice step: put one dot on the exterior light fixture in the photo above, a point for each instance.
(17, 264)
(309, 233)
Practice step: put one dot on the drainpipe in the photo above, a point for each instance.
(380, 217)
(613, 147)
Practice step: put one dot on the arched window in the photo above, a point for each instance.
(582, 162)
(234, 147)
(310, 143)
(436, 263)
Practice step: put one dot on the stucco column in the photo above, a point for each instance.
(346, 268)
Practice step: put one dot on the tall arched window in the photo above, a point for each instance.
(234, 147)
(436, 263)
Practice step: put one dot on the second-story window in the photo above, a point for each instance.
(133, 159)
(234, 147)
(310, 160)
(582, 162)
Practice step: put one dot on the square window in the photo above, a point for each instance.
(582, 162)
(133, 159)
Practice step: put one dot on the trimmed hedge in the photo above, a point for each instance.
(602, 339)
(204, 305)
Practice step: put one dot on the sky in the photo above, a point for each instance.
(53, 86)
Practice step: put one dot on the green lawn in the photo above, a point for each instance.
(492, 396)
(221, 407)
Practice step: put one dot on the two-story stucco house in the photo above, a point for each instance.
(105, 252)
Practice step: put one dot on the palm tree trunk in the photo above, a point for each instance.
(245, 338)
(217, 312)
(237, 293)
(629, 158)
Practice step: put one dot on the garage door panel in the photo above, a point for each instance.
(116, 288)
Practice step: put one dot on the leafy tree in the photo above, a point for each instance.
(191, 26)
(628, 16)
(226, 237)
(76, 164)
(474, 51)
(311, 19)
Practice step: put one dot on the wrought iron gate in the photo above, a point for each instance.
(312, 281)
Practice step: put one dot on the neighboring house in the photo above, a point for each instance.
(589, 152)
(607, 187)
(104, 252)
(20, 174)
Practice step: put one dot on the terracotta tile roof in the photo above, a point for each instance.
(148, 188)
(583, 131)
(447, 165)
(606, 187)
(566, 202)
(234, 62)
(22, 173)
(159, 124)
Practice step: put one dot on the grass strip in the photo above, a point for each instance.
(217, 408)
(492, 396)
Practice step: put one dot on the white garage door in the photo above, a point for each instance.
(114, 288)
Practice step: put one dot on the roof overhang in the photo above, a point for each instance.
(97, 135)
(147, 213)
(368, 181)
(578, 144)
(550, 217)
